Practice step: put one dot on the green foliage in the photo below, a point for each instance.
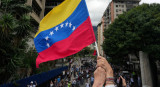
(16, 7)
(15, 29)
(7, 25)
(30, 58)
(135, 30)
(84, 52)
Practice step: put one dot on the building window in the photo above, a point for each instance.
(58, 3)
(36, 8)
(122, 6)
(117, 15)
(119, 9)
(116, 5)
(116, 10)
(52, 3)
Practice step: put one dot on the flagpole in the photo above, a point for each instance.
(96, 48)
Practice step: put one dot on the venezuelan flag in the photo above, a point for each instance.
(64, 31)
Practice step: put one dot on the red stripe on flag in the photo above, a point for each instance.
(80, 38)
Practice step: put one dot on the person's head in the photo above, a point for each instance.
(54, 81)
(51, 82)
(31, 82)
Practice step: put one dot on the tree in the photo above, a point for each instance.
(87, 51)
(138, 29)
(15, 29)
(134, 31)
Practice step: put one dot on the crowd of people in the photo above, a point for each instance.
(103, 76)
(132, 79)
(75, 76)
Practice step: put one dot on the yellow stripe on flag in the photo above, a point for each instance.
(58, 14)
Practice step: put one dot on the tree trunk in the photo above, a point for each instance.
(145, 70)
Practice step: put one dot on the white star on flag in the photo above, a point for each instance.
(74, 28)
(62, 25)
(47, 38)
(51, 33)
(70, 24)
(56, 29)
(48, 45)
(66, 24)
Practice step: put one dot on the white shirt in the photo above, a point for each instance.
(74, 82)
(67, 72)
(32, 86)
(63, 72)
(87, 84)
(92, 79)
(132, 80)
(51, 85)
(87, 71)
(117, 81)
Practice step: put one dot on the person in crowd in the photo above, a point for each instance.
(92, 80)
(87, 76)
(87, 71)
(123, 82)
(69, 84)
(55, 83)
(63, 74)
(68, 73)
(32, 84)
(72, 70)
(127, 84)
(78, 81)
(87, 84)
(104, 74)
(60, 84)
(139, 81)
(132, 81)
(59, 79)
(117, 80)
(65, 84)
(82, 79)
(51, 84)
(74, 83)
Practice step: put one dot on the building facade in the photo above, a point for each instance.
(115, 8)
(100, 30)
(50, 4)
(40, 9)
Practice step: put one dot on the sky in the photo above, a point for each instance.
(97, 7)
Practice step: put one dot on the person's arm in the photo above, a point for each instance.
(99, 77)
(123, 82)
(35, 83)
(109, 79)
